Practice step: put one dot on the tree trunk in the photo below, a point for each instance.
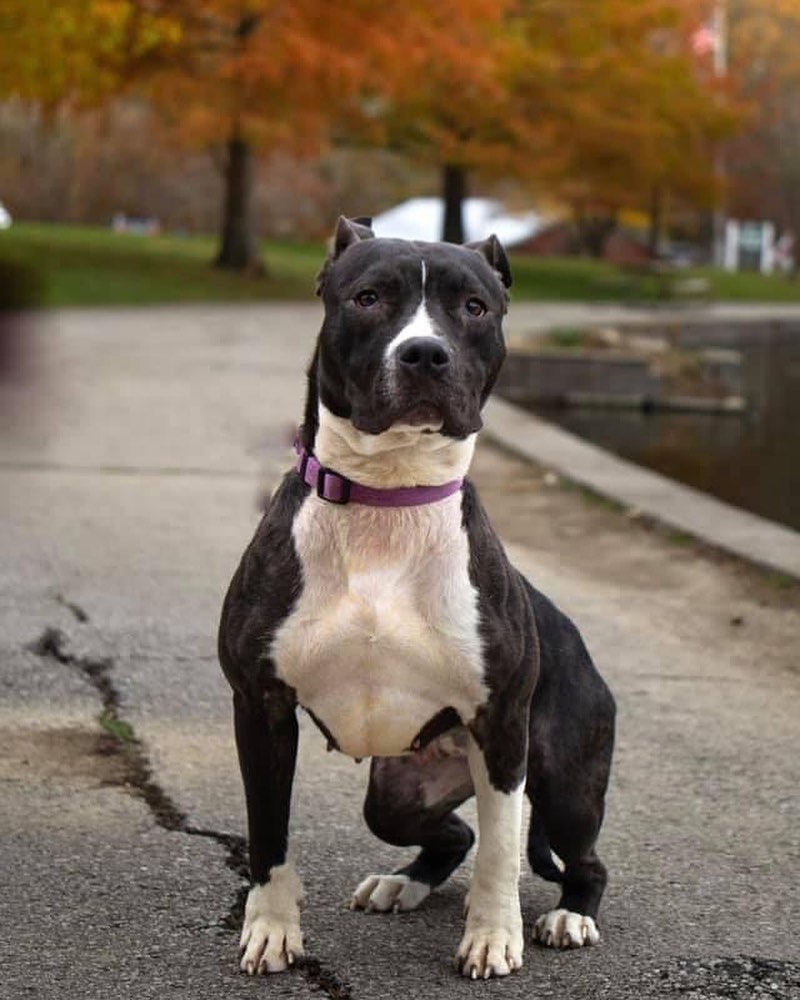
(239, 248)
(593, 231)
(454, 191)
(656, 220)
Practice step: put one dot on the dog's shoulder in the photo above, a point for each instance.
(508, 622)
(265, 585)
(490, 569)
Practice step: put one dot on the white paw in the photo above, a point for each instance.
(564, 929)
(382, 893)
(271, 940)
(489, 951)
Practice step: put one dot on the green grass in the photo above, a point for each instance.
(576, 279)
(117, 728)
(77, 265)
(567, 337)
(59, 265)
(750, 287)
(571, 279)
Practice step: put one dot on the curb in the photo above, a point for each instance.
(721, 525)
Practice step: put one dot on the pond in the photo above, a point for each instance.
(750, 460)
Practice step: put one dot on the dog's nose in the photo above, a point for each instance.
(424, 356)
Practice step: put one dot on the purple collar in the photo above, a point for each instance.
(336, 488)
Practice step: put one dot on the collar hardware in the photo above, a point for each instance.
(340, 486)
(335, 488)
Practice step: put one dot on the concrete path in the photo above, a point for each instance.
(531, 317)
(131, 465)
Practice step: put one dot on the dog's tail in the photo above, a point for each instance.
(540, 854)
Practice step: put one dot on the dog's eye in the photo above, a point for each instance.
(475, 307)
(366, 299)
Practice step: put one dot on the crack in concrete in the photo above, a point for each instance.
(75, 610)
(140, 781)
(322, 979)
(52, 643)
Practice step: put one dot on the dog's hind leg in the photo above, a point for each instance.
(571, 836)
(410, 802)
(569, 760)
(567, 811)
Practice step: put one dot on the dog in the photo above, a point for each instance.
(376, 596)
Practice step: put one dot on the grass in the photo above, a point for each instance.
(77, 265)
(59, 265)
(115, 727)
(567, 337)
(569, 279)
(747, 286)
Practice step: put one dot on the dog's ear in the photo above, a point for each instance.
(493, 251)
(347, 232)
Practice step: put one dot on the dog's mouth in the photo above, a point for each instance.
(422, 418)
(449, 413)
(425, 416)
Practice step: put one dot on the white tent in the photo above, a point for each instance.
(422, 219)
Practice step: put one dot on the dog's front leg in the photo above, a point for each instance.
(266, 738)
(492, 944)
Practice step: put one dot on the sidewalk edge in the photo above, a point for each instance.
(718, 524)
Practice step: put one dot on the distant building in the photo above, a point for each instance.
(423, 219)
(559, 239)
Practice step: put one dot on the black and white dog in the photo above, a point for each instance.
(376, 596)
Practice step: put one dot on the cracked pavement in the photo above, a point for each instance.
(133, 456)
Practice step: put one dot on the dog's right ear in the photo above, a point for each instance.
(348, 232)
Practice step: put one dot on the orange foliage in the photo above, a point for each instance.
(57, 51)
(764, 162)
(592, 99)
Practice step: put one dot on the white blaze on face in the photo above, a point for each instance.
(420, 325)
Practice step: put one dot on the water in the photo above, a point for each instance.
(752, 461)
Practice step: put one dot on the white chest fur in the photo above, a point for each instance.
(385, 633)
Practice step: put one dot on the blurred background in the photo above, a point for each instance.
(612, 130)
(641, 153)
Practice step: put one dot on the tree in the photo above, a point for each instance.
(631, 115)
(247, 77)
(79, 51)
(452, 105)
(763, 163)
(233, 75)
(599, 102)
(595, 100)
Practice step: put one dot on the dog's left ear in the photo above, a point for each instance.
(493, 251)
(347, 232)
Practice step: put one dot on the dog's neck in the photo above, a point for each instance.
(402, 456)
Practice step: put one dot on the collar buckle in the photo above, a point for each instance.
(326, 476)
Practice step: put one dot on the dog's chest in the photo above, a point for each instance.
(385, 633)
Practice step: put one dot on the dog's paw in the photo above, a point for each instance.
(271, 940)
(486, 952)
(489, 951)
(385, 893)
(565, 929)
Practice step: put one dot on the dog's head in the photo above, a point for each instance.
(412, 335)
